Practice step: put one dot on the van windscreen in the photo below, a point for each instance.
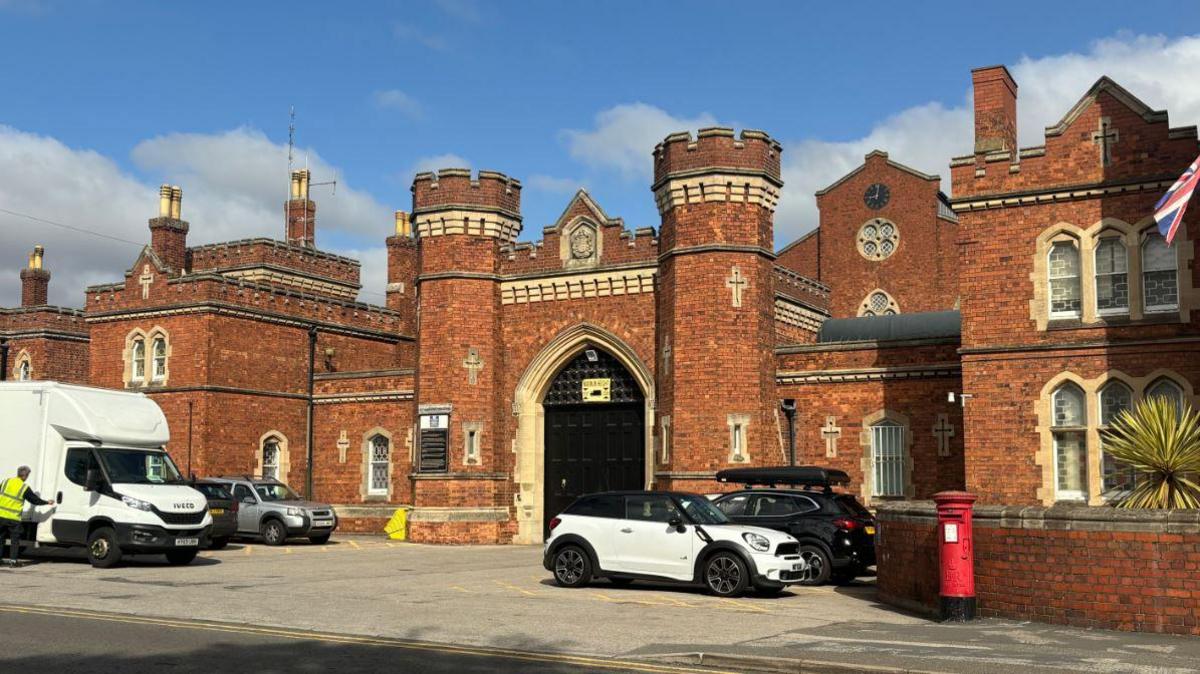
(132, 466)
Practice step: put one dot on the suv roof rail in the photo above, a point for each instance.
(795, 476)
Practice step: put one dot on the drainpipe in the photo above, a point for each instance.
(312, 363)
(3, 358)
(191, 475)
(789, 410)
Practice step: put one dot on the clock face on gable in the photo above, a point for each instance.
(876, 196)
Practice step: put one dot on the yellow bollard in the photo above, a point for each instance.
(397, 527)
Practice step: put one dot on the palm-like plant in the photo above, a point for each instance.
(1161, 442)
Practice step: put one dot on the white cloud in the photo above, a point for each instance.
(409, 33)
(625, 135)
(394, 99)
(547, 183)
(1159, 71)
(465, 10)
(437, 162)
(234, 184)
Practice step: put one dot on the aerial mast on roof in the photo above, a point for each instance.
(291, 143)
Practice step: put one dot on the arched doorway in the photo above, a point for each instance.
(529, 471)
(594, 433)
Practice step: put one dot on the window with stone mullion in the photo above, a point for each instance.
(1063, 272)
(1112, 277)
(1160, 283)
(1070, 443)
(1117, 478)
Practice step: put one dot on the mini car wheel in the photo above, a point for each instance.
(572, 568)
(768, 590)
(103, 550)
(273, 532)
(725, 575)
(819, 567)
(181, 557)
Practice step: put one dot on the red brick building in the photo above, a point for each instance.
(503, 378)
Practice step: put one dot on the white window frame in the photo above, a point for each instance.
(1075, 429)
(374, 462)
(158, 364)
(1158, 308)
(893, 468)
(1050, 279)
(271, 470)
(137, 360)
(1114, 311)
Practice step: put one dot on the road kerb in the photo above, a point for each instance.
(759, 663)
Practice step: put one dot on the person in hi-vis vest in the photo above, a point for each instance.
(13, 495)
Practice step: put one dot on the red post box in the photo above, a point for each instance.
(957, 553)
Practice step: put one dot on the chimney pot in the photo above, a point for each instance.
(35, 281)
(176, 202)
(403, 228)
(164, 201)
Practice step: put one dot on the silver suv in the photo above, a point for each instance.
(270, 509)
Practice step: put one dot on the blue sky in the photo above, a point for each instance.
(558, 94)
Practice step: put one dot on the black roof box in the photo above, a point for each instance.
(804, 476)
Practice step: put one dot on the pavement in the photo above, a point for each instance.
(499, 599)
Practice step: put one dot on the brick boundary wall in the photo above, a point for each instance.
(1131, 570)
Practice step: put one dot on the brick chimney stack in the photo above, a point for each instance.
(402, 273)
(168, 233)
(35, 281)
(995, 110)
(301, 212)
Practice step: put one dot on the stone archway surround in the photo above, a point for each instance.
(529, 446)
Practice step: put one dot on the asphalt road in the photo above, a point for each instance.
(50, 640)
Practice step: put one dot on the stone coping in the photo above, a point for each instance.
(1060, 517)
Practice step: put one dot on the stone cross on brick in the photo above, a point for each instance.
(474, 364)
(943, 431)
(146, 279)
(831, 433)
(343, 444)
(1105, 136)
(736, 283)
(666, 355)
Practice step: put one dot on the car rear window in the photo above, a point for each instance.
(597, 506)
(213, 490)
(851, 506)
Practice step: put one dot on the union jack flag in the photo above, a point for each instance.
(1168, 212)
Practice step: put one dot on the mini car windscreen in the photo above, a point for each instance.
(701, 510)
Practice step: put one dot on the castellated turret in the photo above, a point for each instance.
(716, 193)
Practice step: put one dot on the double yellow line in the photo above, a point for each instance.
(508, 654)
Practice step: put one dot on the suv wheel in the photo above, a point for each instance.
(725, 575)
(273, 532)
(572, 568)
(819, 567)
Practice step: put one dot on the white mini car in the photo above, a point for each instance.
(651, 535)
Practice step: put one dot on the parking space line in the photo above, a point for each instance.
(510, 586)
(741, 605)
(461, 589)
(354, 545)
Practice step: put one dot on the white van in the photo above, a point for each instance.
(99, 454)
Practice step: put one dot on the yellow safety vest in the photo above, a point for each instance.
(12, 498)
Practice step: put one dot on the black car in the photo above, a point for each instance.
(836, 533)
(224, 511)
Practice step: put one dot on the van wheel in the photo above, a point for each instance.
(572, 568)
(181, 557)
(725, 575)
(102, 547)
(218, 543)
(273, 532)
(819, 566)
(319, 540)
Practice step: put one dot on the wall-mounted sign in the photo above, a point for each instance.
(596, 390)
(433, 421)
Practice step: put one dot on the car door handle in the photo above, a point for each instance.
(627, 531)
(59, 499)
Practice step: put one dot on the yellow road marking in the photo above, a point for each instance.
(510, 586)
(246, 549)
(747, 606)
(354, 545)
(461, 589)
(389, 545)
(532, 656)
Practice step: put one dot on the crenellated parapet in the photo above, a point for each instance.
(717, 166)
(451, 201)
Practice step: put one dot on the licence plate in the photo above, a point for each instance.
(323, 523)
(870, 531)
(218, 511)
(187, 542)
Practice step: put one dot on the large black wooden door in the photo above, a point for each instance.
(591, 448)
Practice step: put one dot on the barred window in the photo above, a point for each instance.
(270, 458)
(380, 468)
(1112, 277)
(1065, 295)
(1160, 283)
(1117, 477)
(137, 356)
(887, 458)
(1070, 443)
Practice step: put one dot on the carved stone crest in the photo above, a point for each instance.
(583, 243)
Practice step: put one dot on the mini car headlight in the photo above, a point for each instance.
(756, 541)
(136, 503)
(295, 512)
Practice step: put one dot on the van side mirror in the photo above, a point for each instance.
(93, 480)
(677, 522)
